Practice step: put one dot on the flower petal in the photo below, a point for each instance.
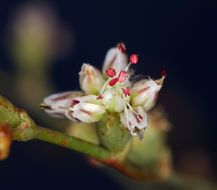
(145, 93)
(55, 104)
(89, 109)
(136, 122)
(91, 79)
(115, 59)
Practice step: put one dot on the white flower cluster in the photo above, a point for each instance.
(110, 91)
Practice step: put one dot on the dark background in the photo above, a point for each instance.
(179, 36)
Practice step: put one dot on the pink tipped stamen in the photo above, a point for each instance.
(122, 47)
(127, 67)
(99, 97)
(133, 58)
(113, 82)
(140, 117)
(76, 101)
(122, 76)
(126, 91)
(111, 72)
(163, 73)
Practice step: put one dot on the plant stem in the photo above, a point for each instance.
(61, 139)
(76, 144)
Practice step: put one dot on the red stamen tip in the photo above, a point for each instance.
(99, 97)
(76, 101)
(126, 92)
(134, 58)
(113, 82)
(140, 117)
(121, 47)
(122, 76)
(163, 73)
(110, 72)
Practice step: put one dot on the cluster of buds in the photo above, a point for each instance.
(111, 91)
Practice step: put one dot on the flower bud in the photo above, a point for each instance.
(135, 120)
(55, 104)
(115, 59)
(5, 141)
(145, 93)
(91, 80)
(86, 108)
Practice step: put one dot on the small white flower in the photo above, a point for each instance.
(145, 93)
(55, 104)
(85, 108)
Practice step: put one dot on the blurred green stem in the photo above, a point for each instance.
(73, 143)
(26, 132)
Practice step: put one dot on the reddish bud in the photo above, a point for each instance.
(110, 72)
(133, 58)
(140, 117)
(76, 101)
(121, 47)
(122, 76)
(163, 73)
(99, 97)
(126, 92)
(113, 82)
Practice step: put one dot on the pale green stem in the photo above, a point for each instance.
(61, 139)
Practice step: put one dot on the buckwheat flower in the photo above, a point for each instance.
(108, 93)
(85, 108)
(144, 93)
(91, 79)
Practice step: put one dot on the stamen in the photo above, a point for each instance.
(163, 73)
(138, 116)
(99, 97)
(122, 47)
(113, 82)
(133, 58)
(122, 76)
(103, 88)
(126, 92)
(76, 101)
(111, 72)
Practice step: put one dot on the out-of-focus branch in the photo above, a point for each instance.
(23, 129)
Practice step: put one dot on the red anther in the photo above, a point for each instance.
(133, 58)
(163, 73)
(76, 101)
(121, 47)
(126, 92)
(99, 97)
(122, 76)
(140, 117)
(110, 72)
(113, 82)
(21, 111)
